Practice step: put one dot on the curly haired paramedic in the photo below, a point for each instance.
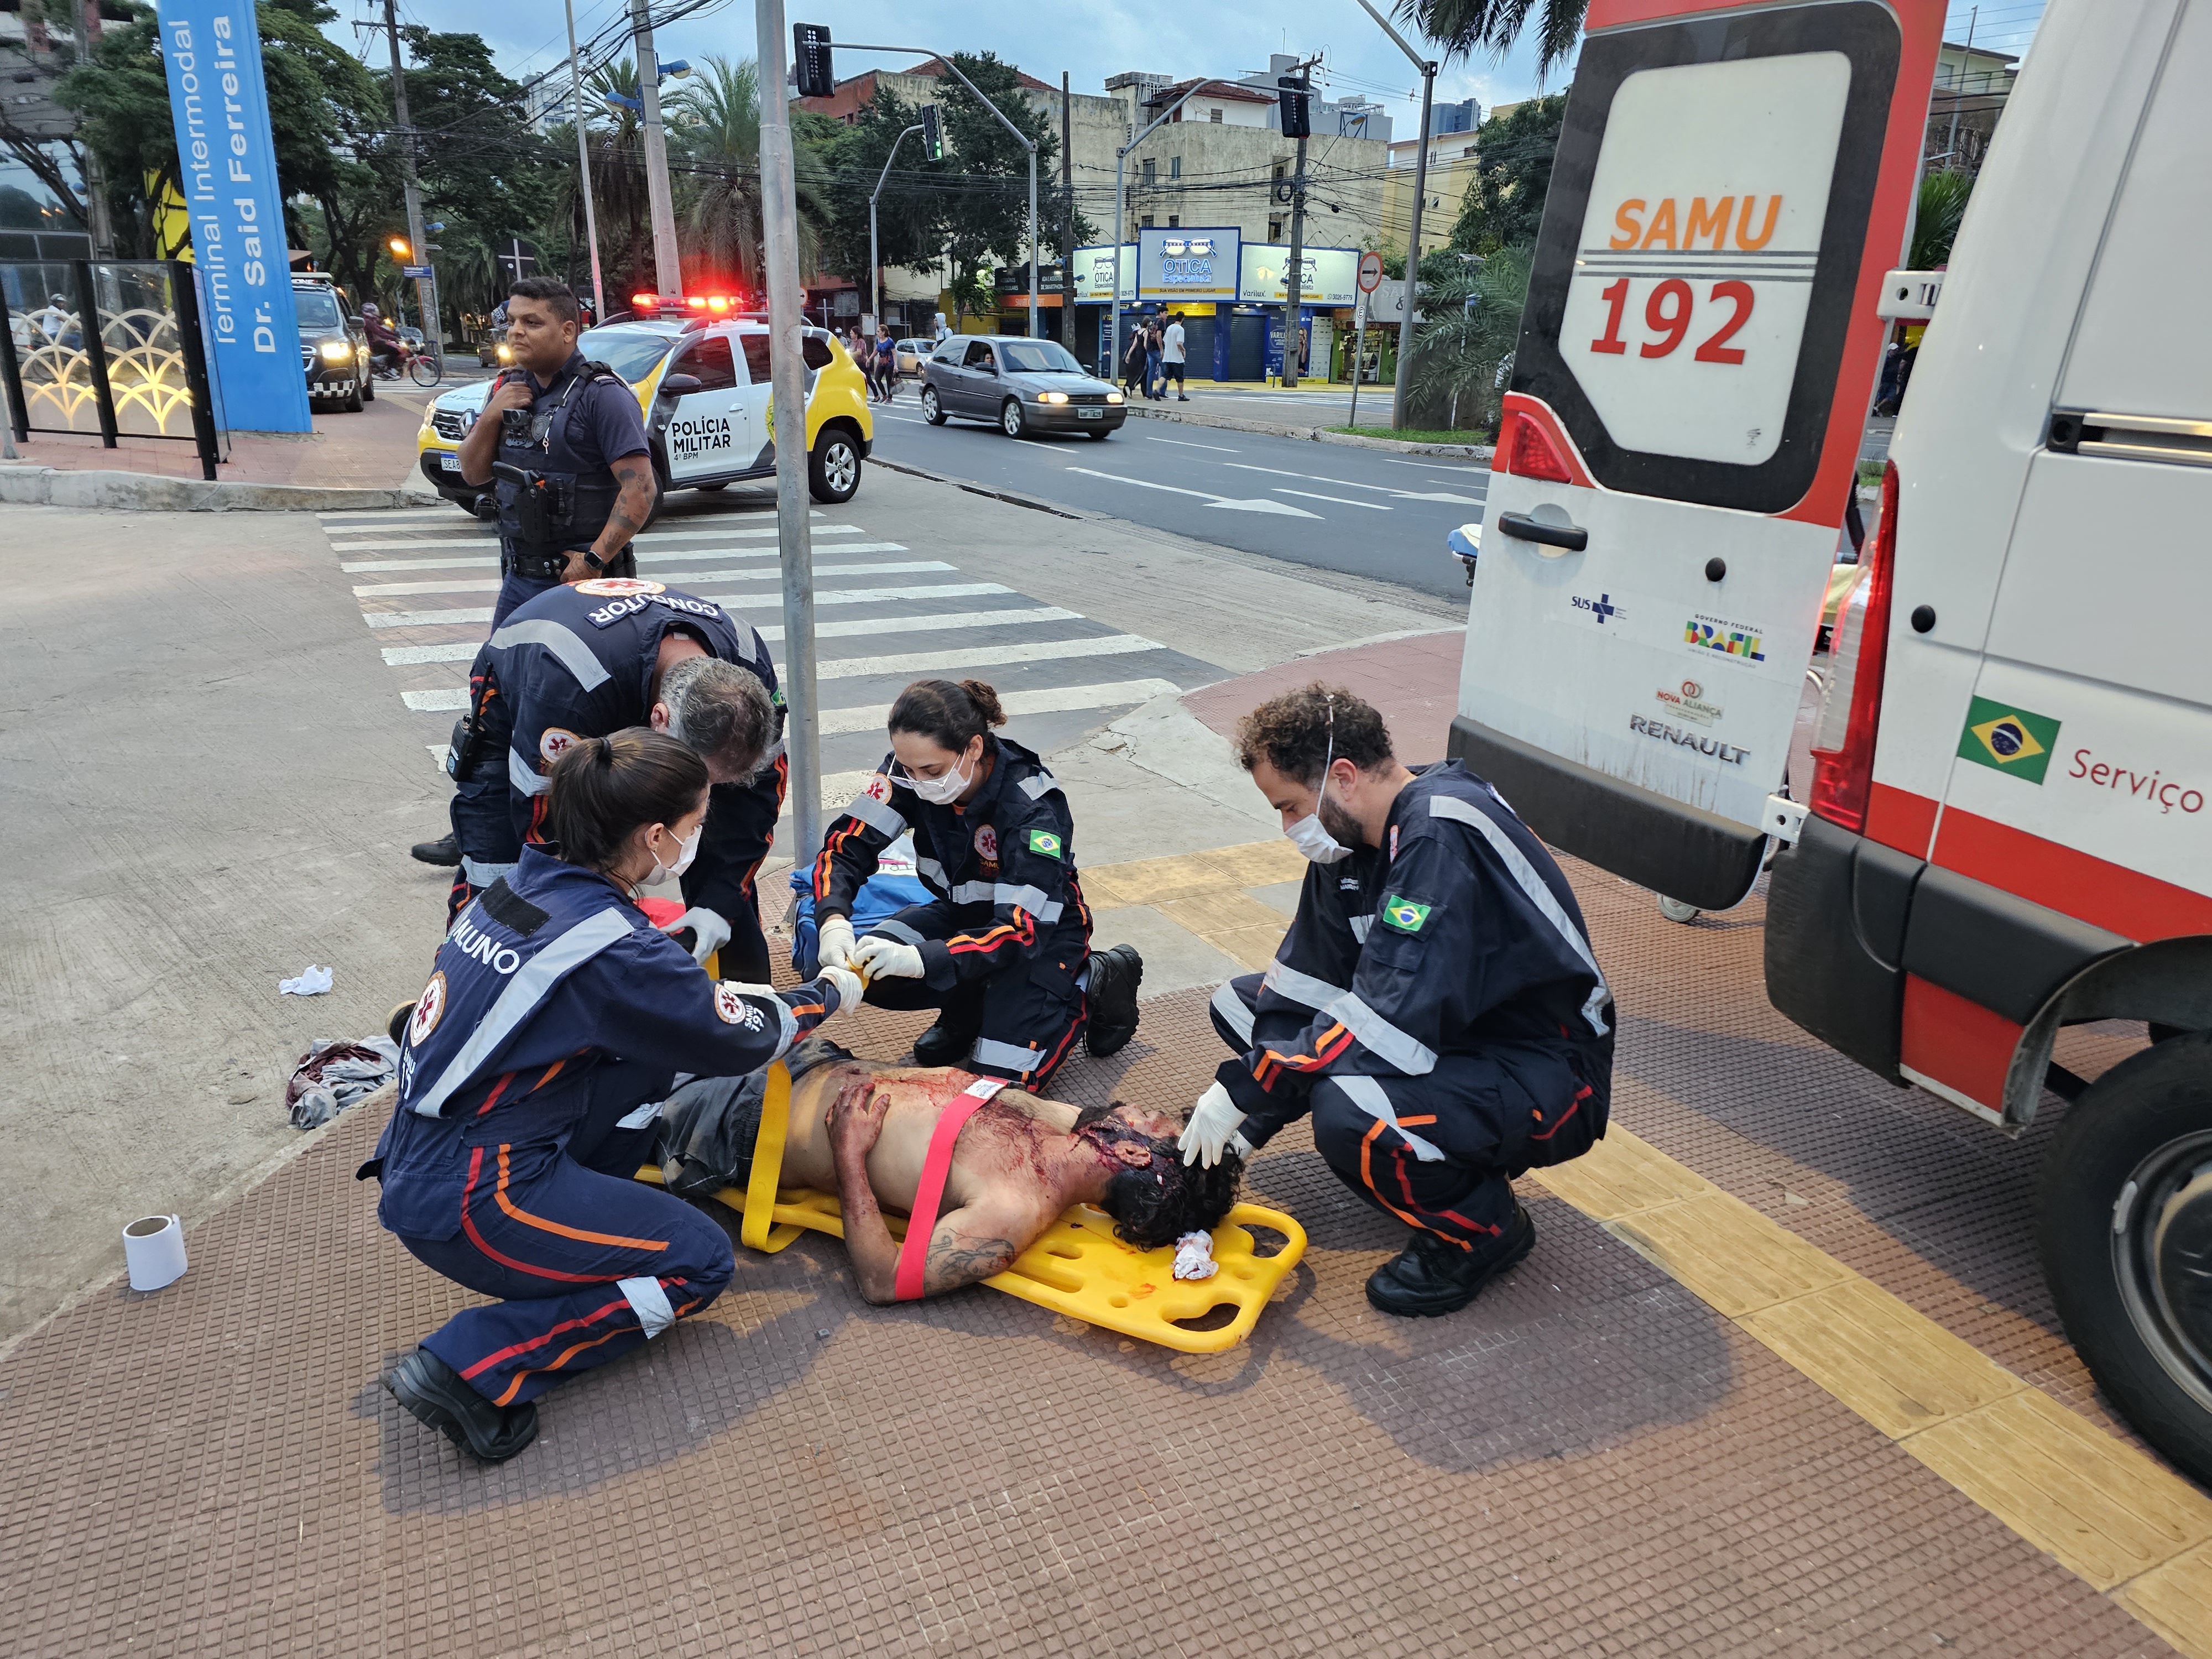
(1435, 1004)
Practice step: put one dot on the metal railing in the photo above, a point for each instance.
(141, 371)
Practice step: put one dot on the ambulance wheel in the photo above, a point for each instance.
(1675, 910)
(931, 410)
(2124, 1225)
(1009, 417)
(833, 470)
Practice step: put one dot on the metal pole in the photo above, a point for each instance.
(1066, 225)
(426, 288)
(1294, 274)
(802, 735)
(584, 170)
(1958, 88)
(1358, 346)
(875, 276)
(96, 351)
(1033, 251)
(667, 266)
(1413, 252)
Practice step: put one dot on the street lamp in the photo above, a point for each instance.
(875, 268)
(1428, 69)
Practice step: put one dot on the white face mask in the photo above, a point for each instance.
(1309, 835)
(943, 790)
(690, 850)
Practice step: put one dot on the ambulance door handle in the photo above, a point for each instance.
(1520, 527)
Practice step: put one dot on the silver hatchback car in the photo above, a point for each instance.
(1020, 386)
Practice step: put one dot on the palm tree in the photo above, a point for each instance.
(1935, 222)
(1475, 317)
(1461, 27)
(615, 137)
(715, 122)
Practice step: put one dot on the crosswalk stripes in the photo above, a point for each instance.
(1044, 660)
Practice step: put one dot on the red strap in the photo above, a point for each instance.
(929, 1192)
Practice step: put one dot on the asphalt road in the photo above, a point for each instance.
(1328, 505)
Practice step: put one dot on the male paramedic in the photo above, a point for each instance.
(1436, 1004)
(588, 659)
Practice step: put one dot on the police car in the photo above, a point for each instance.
(703, 385)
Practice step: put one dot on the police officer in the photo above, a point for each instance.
(1004, 950)
(530, 1079)
(584, 659)
(1435, 1004)
(562, 443)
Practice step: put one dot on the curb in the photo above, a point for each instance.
(143, 492)
(1315, 434)
(1013, 498)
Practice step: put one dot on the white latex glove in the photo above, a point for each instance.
(834, 948)
(710, 932)
(886, 958)
(1213, 1128)
(846, 983)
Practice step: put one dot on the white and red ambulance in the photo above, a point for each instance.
(2009, 826)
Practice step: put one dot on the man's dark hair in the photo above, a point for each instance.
(1296, 733)
(1155, 1206)
(550, 289)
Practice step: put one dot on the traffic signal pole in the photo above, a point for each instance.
(875, 266)
(667, 266)
(584, 170)
(1428, 68)
(426, 288)
(1294, 277)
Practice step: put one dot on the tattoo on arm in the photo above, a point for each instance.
(633, 507)
(957, 1258)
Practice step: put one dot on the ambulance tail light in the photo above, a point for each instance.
(1851, 709)
(1529, 454)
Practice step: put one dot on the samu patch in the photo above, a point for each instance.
(1044, 843)
(734, 1010)
(1404, 914)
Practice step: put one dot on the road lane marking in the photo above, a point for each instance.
(478, 615)
(1256, 505)
(1341, 501)
(936, 622)
(651, 539)
(1181, 444)
(369, 567)
(925, 662)
(1348, 483)
(478, 584)
(1058, 700)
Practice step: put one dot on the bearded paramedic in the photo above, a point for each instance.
(1435, 1004)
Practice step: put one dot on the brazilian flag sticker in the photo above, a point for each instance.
(1404, 914)
(1044, 841)
(2006, 738)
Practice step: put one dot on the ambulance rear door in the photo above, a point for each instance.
(1694, 366)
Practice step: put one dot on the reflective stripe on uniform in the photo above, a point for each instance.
(1292, 986)
(1031, 899)
(649, 1302)
(1360, 925)
(1230, 1010)
(892, 928)
(875, 814)
(990, 1053)
(481, 874)
(1516, 863)
(1382, 1038)
(533, 983)
(1038, 783)
(930, 871)
(1370, 1096)
(568, 649)
(524, 778)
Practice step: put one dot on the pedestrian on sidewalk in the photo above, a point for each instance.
(1171, 356)
(1132, 363)
(1155, 382)
(1436, 1004)
(886, 362)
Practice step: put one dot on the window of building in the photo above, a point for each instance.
(1151, 171)
(1147, 222)
(1274, 230)
(1174, 166)
(1174, 222)
(1214, 116)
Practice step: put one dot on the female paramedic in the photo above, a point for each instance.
(1004, 950)
(529, 1082)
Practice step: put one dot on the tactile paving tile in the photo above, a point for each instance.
(1587, 1460)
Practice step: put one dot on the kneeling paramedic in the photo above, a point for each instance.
(530, 1080)
(1436, 1004)
(587, 659)
(1005, 948)
(562, 443)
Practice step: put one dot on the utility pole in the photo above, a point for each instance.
(583, 169)
(1957, 89)
(875, 265)
(667, 268)
(1294, 278)
(802, 731)
(87, 30)
(426, 288)
(1428, 69)
(1066, 222)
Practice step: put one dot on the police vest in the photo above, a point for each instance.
(549, 501)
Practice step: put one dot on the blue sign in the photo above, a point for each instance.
(1175, 263)
(227, 163)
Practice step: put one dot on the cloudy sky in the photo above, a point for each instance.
(1090, 40)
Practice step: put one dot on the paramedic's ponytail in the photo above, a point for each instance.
(605, 789)
(950, 716)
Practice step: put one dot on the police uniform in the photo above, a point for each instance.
(1004, 943)
(530, 1084)
(553, 475)
(1436, 1007)
(579, 661)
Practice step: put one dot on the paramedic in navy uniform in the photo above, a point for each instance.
(529, 1085)
(1435, 1004)
(1004, 949)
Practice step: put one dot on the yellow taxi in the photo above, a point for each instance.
(703, 387)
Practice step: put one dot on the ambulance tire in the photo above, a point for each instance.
(1675, 910)
(2125, 1225)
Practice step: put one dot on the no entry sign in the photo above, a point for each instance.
(1370, 272)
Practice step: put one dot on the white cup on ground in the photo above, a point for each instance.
(153, 1245)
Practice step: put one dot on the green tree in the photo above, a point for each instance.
(1935, 220)
(984, 219)
(1472, 319)
(715, 128)
(1463, 28)
(1504, 203)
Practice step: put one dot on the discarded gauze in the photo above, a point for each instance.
(333, 1075)
(312, 983)
(1195, 1256)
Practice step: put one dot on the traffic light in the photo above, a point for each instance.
(932, 136)
(1296, 96)
(810, 54)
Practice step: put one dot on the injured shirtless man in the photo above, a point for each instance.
(863, 1131)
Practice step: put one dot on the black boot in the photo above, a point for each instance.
(1433, 1275)
(947, 1043)
(395, 1026)
(433, 1391)
(445, 852)
(1112, 997)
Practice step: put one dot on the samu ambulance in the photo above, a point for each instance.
(2007, 825)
